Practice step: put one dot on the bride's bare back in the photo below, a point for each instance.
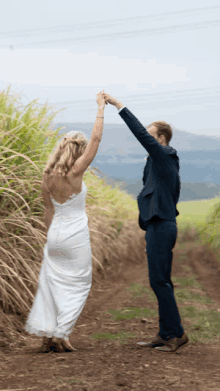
(62, 188)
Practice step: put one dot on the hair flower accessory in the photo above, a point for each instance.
(74, 133)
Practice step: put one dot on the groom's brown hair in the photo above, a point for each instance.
(163, 128)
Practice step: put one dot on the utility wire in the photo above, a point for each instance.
(167, 103)
(165, 98)
(126, 34)
(107, 23)
(171, 95)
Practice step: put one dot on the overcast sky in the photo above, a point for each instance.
(159, 58)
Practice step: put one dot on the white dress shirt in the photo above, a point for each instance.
(121, 108)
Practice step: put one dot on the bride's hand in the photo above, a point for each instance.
(110, 99)
(100, 99)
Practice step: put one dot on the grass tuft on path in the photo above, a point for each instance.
(139, 290)
(186, 281)
(185, 295)
(205, 323)
(131, 313)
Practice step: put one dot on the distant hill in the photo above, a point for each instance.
(121, 159)
(188, 192)
(119, 139)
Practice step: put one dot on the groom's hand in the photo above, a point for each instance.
(113, 101)
(110, 99)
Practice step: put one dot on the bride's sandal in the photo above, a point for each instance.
(45, 347)
(57, 343)
(67, 347)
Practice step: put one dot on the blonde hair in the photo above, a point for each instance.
(163, 128)
(66, 153)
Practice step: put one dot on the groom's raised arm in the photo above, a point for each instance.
(139, 131)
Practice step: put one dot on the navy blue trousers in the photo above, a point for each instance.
(161, 238)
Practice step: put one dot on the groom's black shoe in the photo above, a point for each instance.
(157, 341)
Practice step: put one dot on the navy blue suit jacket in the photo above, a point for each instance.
(161, 179)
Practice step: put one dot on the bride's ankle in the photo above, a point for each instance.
(55, 339)
(59, 340)
(66, 340)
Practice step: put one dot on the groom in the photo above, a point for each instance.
(157, 216)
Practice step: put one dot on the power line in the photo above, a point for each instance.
(197, 92)
(159, 103)
(161, 30)
(152, 105)
(168, 29)
(108, 23)
(143, 99)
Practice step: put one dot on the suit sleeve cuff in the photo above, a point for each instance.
(121, 109)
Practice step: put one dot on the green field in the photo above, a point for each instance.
(195, 213)
(202, 218)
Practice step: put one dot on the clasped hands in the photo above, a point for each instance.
(103, 99)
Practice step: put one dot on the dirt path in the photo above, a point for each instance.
(114, 364)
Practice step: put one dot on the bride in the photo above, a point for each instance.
(66, 272)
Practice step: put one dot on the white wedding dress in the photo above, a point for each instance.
(66, 273)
